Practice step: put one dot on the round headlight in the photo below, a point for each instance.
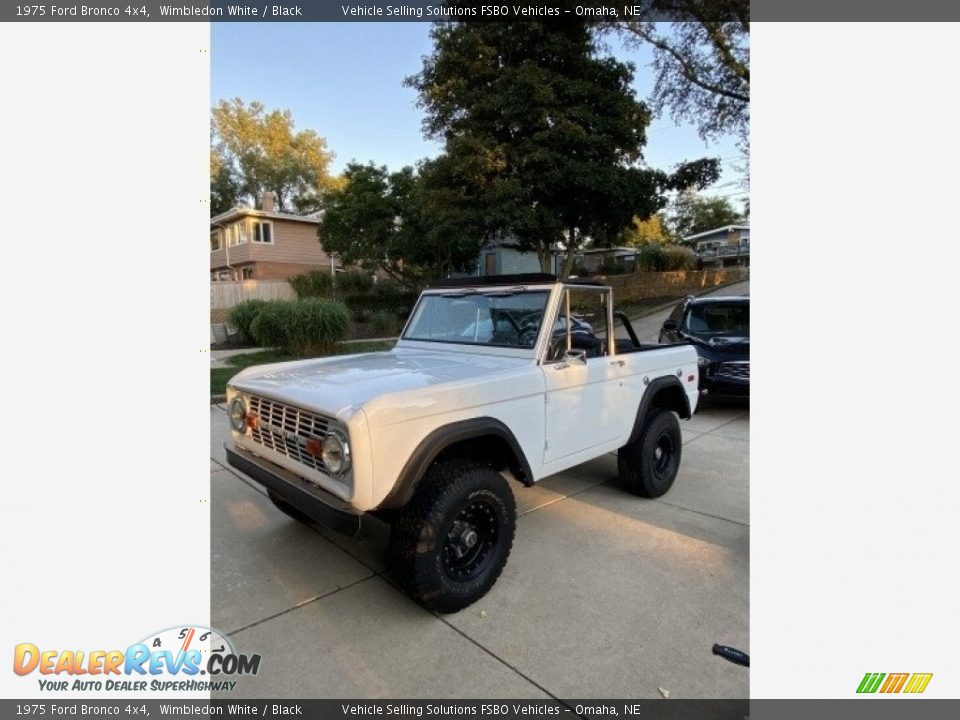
(238, 414)
(336, 454)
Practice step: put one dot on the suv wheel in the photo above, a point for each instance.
(648, 465)
(452, 540)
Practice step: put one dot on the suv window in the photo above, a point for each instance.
(718, 319)
(499, 318)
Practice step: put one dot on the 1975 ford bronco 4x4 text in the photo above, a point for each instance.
(497, 378)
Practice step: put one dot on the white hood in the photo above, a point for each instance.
(331, 385)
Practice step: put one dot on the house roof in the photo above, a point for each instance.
(236, 213)
(714, 231)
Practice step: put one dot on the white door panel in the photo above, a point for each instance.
(583, 405)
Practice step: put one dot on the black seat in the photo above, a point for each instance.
(590, 344)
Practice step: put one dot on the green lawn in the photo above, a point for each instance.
(220, 376)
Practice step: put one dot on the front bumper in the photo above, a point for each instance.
(726, 377)
(324, 507)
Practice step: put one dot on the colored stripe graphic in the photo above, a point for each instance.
(870, 682)
(918, 682)
(894, 682)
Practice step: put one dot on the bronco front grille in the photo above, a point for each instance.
(739, 370)
(286, 429)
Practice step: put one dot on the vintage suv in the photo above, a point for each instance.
(495, 378)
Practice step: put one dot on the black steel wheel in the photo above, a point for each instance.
(452, 540)
(649, 465)
(471, 540)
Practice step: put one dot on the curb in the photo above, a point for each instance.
(214, 399)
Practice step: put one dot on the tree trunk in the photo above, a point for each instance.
(546, 258)
(571, 253)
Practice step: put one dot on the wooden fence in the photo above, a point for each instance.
(225, 294)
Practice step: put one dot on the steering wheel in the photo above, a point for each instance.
(529, 328)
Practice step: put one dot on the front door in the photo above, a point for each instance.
(582, 383)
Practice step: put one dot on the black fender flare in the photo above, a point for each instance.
(667, 382)
(439, 440)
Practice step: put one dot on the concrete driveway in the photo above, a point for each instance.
(605, 594)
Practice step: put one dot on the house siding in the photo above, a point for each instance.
(295, 249)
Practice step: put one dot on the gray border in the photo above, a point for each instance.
(332, 11)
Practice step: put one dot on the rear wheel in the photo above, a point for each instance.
(452, 540)
(648, 465)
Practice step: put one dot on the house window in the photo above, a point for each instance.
(236, 235)
(262, 231)
(214, 241)
(247, 273)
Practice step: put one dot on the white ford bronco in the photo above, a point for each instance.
(493, 379)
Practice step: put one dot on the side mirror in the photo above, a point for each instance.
(575, 357)
(670, 325)
(571, 357)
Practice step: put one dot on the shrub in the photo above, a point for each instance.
(319, 325)
(242, 316)
(316, 283)
(385, 322)
(665, 258)
(354, 282)
(680, 258)
(311, 326)
(273, 324)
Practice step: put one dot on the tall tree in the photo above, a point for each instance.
(405, 223)
(702, 62)
(652, 231)
(260, 151)
(544, 133)
(694, 213)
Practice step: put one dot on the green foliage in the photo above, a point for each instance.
(667, 258)
(354, 282)
(694, 213)
(254, 150)
(385, 323)
(307, 327)
(316, 283)
(242, 316)
(701, 66)
(542, 134)
(320, 324)
(401, 223)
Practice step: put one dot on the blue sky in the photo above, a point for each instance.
(345, 80)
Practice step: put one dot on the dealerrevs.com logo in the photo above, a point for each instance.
(182, 659)
(892, 683)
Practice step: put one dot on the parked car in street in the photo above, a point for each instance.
(719, 329)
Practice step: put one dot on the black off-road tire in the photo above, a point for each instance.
(648, 465)
(454, 499)
(288, 509)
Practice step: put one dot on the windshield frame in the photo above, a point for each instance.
(551, 289)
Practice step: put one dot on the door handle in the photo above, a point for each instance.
(560, 366)
(620, 363)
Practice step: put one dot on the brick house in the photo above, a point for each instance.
(249, 244)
